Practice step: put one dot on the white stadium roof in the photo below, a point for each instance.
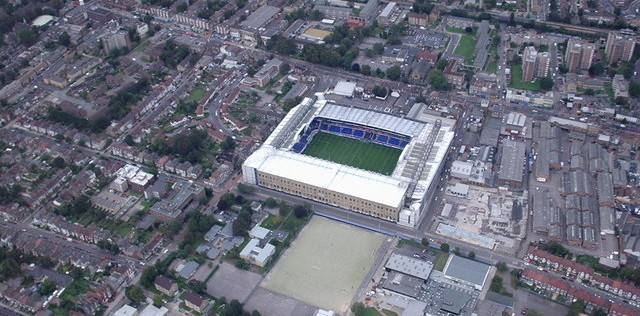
(370, 118)
(329, 175)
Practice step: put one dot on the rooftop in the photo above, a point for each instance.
(260, 17)
(412, 266)
(466, 270)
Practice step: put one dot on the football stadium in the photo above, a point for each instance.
(357, 159)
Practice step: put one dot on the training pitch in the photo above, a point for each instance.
(354, 153)
(326, 264)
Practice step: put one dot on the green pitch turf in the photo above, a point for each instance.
(354, 153)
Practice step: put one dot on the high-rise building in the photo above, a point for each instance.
(542, 64)
(579, 55)
(529, 63)
(620, 45)
(534, 64)
(115, 40)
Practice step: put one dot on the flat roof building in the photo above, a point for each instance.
(466, 271)
(408, 265)
(512, 162)
(260, 17)
(256, 253)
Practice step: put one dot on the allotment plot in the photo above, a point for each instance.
(326, 264)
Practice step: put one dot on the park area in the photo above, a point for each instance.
(354, 153)
(314, 269)
(466, 46)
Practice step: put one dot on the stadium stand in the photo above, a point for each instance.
(350, 130)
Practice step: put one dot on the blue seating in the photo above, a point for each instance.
(324, 127)
(394, 141)
(335, 129)
(298, 147)
(382, 138)
(358, 133)
(347, 130)
(403, 143)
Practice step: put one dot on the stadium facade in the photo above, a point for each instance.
(400, 197)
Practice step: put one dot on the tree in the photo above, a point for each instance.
(28, 36)
(472, 255)
(425, 241)
(379, 91)
(234, 308)
(47, 287)
(9, 268)
(442, 63)
(134, 293)
(365, 70)
(444, 247)
(242, 265)
(501, 266)
(438, 81)
(58, 162)
(596, 69)
(393, 73)
(300, 211)
(456, 251)
(576, 308)
(270, 202)
(599, 312)
(129, 140)
(64, 39)
(634, 89)
(546, 83)
(357, 308)
(148, 276)
(240, 227)
(285, 68)
(157, 300)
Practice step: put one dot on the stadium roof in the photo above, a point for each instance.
(467, 270)
(414, 267)
(370, 118)
(329, 175)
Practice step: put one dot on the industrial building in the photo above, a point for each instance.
(467, 272)
(512, 163)
(279, 165)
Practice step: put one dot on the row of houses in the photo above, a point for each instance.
(96, 142)
(582, 273)
(551, 286)
(65, 253)
(58, 224)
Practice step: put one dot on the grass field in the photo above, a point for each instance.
(516, 80)
(313, 269)
(492, 67)
(354, 153)
(465, 47)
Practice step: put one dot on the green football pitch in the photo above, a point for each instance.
(354, 153)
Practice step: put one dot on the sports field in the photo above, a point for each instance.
(326, 264)
(354, 153)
